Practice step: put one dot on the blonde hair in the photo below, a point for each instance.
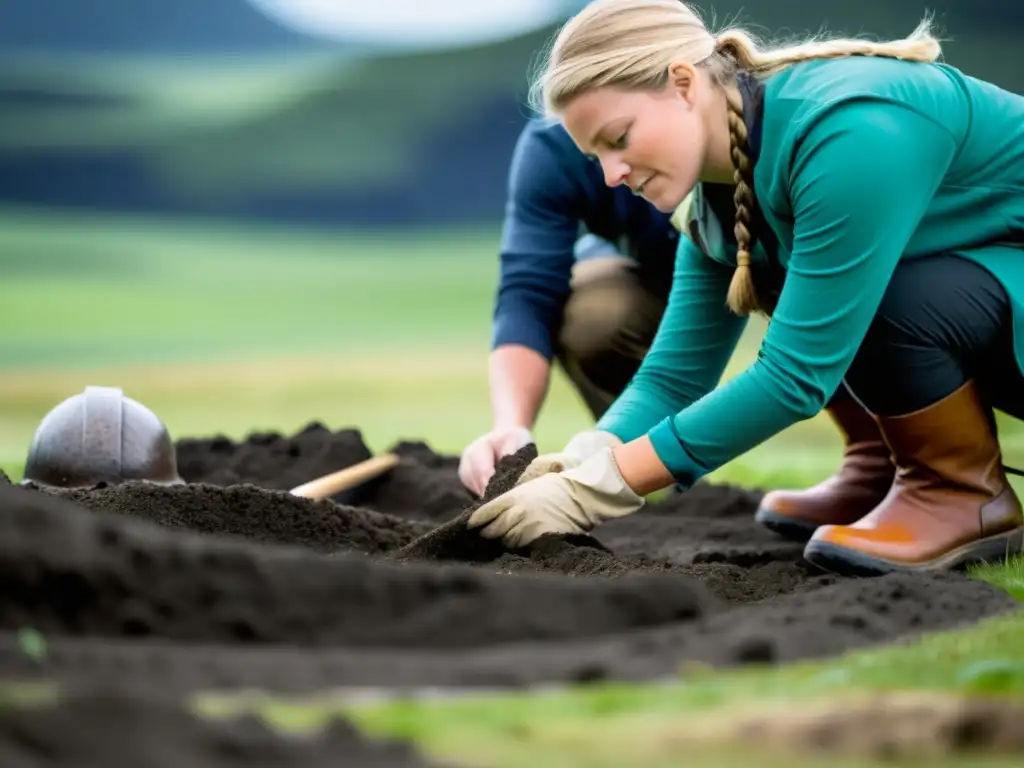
(630, 44)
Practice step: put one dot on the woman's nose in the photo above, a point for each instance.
(615, 171)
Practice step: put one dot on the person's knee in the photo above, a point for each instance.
(609, 322)
(606, 307)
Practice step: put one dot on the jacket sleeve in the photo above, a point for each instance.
(694, 342)
(860, 182)
(538, 237)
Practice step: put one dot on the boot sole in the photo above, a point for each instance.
(787, 527)
(849, 562)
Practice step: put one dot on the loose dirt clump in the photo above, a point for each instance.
(231, 582)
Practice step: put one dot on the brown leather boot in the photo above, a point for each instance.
(949, 505)
(860, 484)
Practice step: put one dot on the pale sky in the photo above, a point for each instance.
(421, 23)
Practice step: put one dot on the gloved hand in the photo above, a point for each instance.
(569, 502)
(582, 446)
(476, 466)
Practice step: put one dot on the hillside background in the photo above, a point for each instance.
(213, 108)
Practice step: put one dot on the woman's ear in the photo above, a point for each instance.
(683, 79)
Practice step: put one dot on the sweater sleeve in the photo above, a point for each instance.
(538, 236)
(694, 342)
(860, 182)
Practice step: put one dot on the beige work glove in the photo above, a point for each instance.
(576, 451)
(571, 502)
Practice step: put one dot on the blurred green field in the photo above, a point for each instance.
(224, 329)
(228, 329)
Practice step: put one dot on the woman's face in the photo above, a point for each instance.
(653, 142)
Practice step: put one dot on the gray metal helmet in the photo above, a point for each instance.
(100, 436)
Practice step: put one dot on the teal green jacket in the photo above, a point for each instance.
(864, 162)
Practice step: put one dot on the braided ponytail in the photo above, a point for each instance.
(742, 297)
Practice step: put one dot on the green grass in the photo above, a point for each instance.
(666, 724)
(223, 330)
(219, 329)
(627, 724)
(89, 291)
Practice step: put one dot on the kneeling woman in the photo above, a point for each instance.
(878, 200)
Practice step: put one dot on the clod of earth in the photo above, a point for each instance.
(230, 581)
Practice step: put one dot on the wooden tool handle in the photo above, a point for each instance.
(343, 479)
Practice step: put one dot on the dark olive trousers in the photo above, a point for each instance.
(610, 320)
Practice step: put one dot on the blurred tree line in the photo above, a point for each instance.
(205, 107)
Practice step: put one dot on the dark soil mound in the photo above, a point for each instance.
(255, 514)
(230, 581)
(101, 575)
(151, 733)
(271, 460)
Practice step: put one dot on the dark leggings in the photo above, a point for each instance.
(943, 320)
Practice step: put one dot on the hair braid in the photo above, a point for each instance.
(742, 297)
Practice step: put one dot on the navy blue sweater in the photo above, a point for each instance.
(556, 194)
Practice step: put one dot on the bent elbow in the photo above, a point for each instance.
(812, 405)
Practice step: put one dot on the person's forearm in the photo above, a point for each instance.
(641, 467)
(519, 379)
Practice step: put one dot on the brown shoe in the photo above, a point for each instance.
(949, 505)
(860, 484)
